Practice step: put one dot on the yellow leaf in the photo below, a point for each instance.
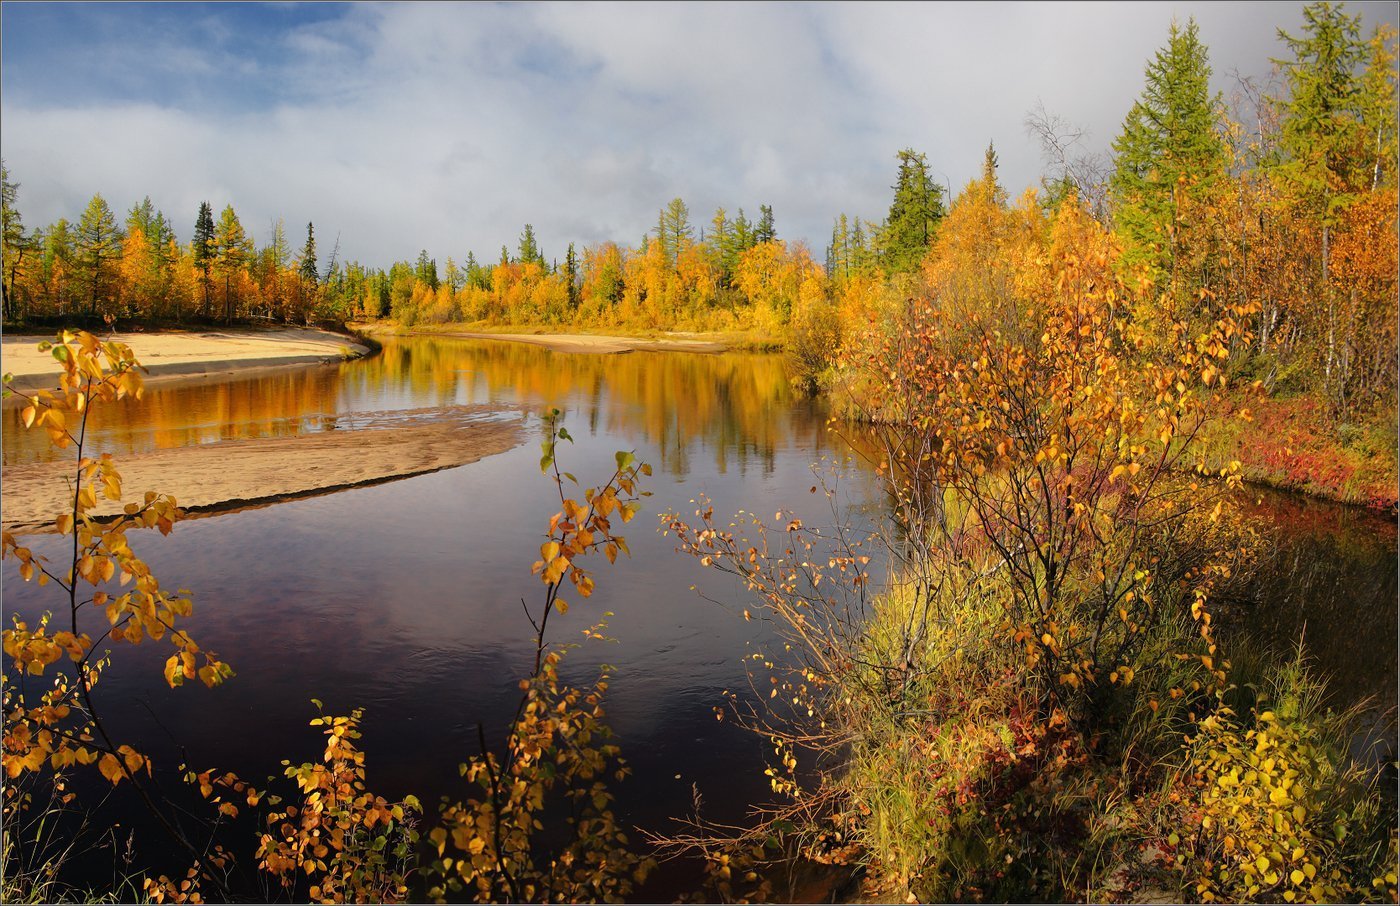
(110, 767)
(174, 673)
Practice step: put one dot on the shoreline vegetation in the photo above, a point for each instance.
(1063, 393)
(1288, 447)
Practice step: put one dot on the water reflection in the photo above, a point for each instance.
(404, 598)
(738, 407)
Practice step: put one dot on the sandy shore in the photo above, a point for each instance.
(185, 353)
(594, 343)
(220, 477)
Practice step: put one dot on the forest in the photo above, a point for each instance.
(1060, 394)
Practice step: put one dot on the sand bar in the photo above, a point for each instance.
(220, 477)
(196, 352)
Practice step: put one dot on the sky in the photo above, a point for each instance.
(448, 127)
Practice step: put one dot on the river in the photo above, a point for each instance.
(405, 598)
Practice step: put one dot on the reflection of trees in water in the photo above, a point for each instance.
(1326, 575)
(739, 406)
(275, 404)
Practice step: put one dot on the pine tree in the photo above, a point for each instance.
(202, 251)
(99, 242)
(529, 249)
(571, 276)
(743, 235)
(718, 247)
(1169, 152)
(765, 231)
(1327, 136)
(280, 251)
(674, 231)
(233, 248)
(307, 269)
(914, 215)
(14, 242)
(57, 263)
(426, 270)
(1340, 104)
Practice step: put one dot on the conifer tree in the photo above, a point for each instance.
(233, 247)
(673, 230)
(14, 242)
(1168, 152)
(529, 249)
(202, 251)
(307, 269)
(914, 215)
(99, 242)
(571, 276)
(765, 231)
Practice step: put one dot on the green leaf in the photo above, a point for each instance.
(624, 459)
(564, 433)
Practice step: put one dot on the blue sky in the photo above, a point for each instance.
(449, 126)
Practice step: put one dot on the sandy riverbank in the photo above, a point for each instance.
(169, 354)
(220, 477)
(593, 343)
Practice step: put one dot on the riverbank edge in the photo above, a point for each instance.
(223, 477)
(597, 340)
(353, 345)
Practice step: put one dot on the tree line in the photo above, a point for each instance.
(1285, 197)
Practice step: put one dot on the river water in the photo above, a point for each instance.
(405, 598)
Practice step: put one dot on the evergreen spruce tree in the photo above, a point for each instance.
(673, 230)
(765, 231)
(202, 251)
(571, 281)
(1168, 152)
(99, 242)
(914, 215)
(719, 246)
(233, 248)
(15, 244)
(307, 270)
(426, 270)
(530, 250)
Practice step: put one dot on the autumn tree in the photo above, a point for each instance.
(57, 262)
(15, 243)
(308, 279)
(529, 248)
(233, 249)
(99, 246)
(1337, 120)
(914, 215)
(673, 230)
(426, 270)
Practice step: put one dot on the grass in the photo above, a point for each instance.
(1293, 444)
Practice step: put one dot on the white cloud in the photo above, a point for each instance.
(448, 127)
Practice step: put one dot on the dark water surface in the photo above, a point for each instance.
(404, 598)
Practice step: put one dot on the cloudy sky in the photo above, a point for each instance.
(450, 126)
